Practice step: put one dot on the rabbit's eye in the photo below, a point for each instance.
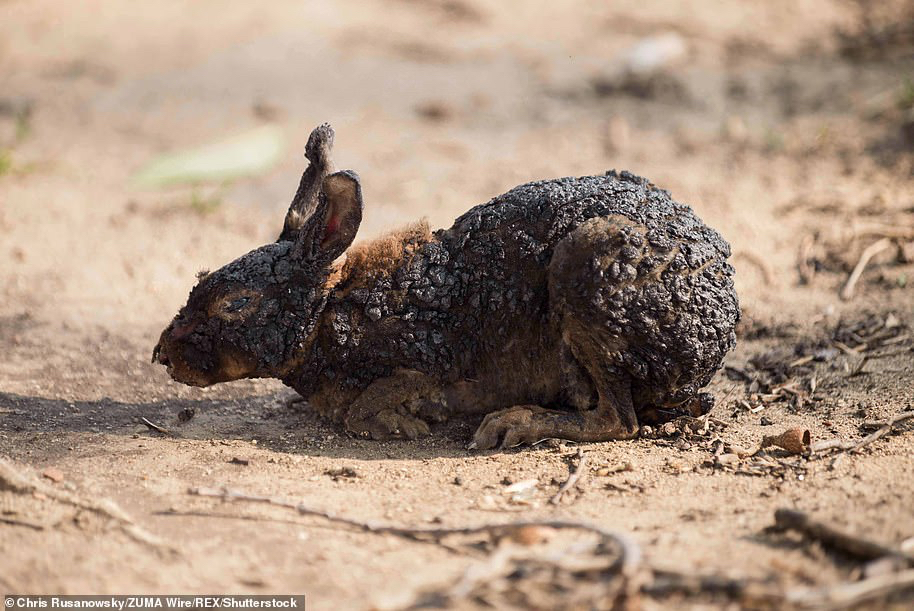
(237, 304)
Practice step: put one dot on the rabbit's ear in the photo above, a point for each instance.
(305, 202)
(328, 232)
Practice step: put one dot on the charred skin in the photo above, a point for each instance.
(575, 308)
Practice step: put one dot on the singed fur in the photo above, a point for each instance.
(382, 256)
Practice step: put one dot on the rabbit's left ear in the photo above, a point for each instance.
(330, 230)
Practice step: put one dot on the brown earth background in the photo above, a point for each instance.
(788, 126)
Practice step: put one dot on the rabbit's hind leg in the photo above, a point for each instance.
(396, 407)
(612, 418)
(521, 424)
(607, 414)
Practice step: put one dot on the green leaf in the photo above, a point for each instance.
(247, 154)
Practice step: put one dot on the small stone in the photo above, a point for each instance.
(342, 473)
(675, 466)
(186, 414)
(738, 450)
(54, 474)
(487, 502)
(727, 459)
(682, 445)
(668, 429)
(530, 535)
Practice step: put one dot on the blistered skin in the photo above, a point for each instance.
(213, 340)
(474, 302)
(578, 308)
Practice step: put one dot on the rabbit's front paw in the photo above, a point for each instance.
(512, 427)
(388, 424)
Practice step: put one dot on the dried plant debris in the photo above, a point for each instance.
(28, 501)
(580, 575)
(836, 538)
(686, 433)
(856, 240)
(344, 473)
(795, 441)
(578, 472)
(751, 328)
(787, 375)
(551, 564)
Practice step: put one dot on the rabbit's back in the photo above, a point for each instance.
(473, 302)
(647, 276)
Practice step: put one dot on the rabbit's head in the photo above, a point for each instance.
(252, 317)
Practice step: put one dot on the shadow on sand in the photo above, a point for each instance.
(269, 418)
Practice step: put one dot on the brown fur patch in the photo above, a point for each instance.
(382, 256)
(336, 273)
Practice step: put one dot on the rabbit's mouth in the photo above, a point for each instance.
(166, 353)
(177, 357)
(161, 357)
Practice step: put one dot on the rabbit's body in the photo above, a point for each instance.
(572, 308)
(516, 302)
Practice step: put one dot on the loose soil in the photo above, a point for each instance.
(787, 126)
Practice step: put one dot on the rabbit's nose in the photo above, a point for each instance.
(159, 355)
(163, 358)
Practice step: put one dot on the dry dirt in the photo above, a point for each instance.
(788, 126)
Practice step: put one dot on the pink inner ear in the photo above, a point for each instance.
(333, 225)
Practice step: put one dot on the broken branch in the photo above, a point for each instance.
(791, 519)
(846, 446)
(868, 253)
(629, 553)
(573, 478)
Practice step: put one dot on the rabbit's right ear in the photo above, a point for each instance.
(305, 202)
(328, 232)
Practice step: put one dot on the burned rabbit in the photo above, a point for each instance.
(577, 308)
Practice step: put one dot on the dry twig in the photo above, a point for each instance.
(847, 446)
(791, 519)
(667, 583)
(573, 478)
(868, 253)
(806, 270)
(14, 481)
(26, 523)
(847, 595)
(627, 560)
(629, 552)
(155, 427)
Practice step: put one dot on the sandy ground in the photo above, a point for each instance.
(786, 135)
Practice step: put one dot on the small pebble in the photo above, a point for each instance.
(186, 414)
(683, 445)
(727, 459)
(54, 474)
(668, 429)
(529, 535)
